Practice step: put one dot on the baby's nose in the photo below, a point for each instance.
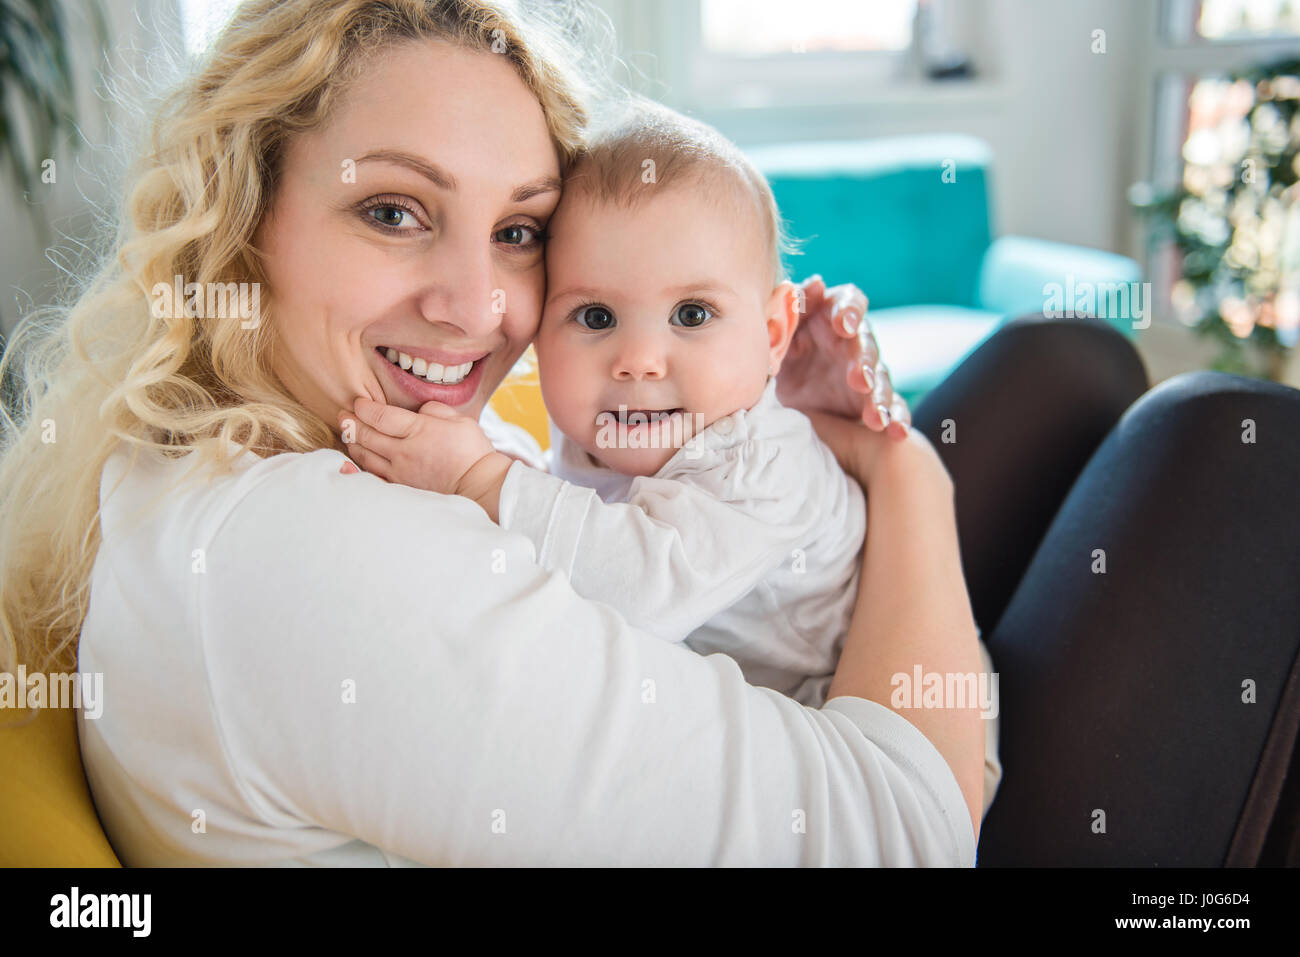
(640, 358)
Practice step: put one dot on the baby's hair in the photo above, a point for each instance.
(650, 146)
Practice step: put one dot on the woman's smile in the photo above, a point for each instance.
(412, 376)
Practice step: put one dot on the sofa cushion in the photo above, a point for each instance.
(1020, 274)
(905, 218)
(922, 344)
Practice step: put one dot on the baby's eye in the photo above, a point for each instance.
(595, 318)
(691, 314)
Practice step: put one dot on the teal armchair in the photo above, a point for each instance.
(908, 220)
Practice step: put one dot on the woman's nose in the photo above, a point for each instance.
(465, 294)
(640, 356)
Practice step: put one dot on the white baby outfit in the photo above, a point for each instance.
(746, 542)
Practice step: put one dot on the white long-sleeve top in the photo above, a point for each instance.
(304, 667)
(747, 542)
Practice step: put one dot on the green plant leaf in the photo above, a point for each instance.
(37, 79)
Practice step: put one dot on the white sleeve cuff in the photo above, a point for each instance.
(548, 511)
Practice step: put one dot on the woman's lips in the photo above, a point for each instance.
(420, 390)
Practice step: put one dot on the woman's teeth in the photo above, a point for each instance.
(430, 371)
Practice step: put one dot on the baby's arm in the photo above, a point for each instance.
(671, 558)
(436, 448)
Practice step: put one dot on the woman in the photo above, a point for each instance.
(301, 665)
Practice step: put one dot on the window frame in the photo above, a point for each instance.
(1177, 26)
(703, 80)
(780, 79)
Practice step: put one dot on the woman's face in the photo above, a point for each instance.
(410, 226)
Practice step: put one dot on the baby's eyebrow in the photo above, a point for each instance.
(585, 291)
(703, 285)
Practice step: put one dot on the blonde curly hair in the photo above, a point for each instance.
(84, 378)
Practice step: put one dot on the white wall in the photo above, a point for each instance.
(1068, 127)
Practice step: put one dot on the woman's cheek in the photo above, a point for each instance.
(536, 297)
(523, 316)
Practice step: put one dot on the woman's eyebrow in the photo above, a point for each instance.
(444, 180)
(434, 173)
(547, 184)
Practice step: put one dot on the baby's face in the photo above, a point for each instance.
(658, 309)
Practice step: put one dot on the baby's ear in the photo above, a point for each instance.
(782, 320)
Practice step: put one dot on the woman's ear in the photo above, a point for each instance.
(782, 320)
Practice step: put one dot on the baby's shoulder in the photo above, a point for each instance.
(770, 465)
(767, 445)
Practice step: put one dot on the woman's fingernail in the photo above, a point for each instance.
(869, 374)
(849, 320)
(884, 414)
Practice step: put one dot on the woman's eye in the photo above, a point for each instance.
(595, 318)
(393, 217)
(518, 234)
(691, 314)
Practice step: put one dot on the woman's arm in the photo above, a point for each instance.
(404, 674)
(913, 608)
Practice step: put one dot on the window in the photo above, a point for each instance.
(747, 54)
(1239, 214)
(202, 20)
(767, 27)
(1243, 19)
(1227, 150)
(1230, 21)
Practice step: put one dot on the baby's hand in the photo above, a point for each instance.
(436, 448)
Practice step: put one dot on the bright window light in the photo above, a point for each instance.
(766, 27)
(1226, 19)
(202, 20)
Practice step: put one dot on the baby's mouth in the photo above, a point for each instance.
(434, 372)
(626, 416)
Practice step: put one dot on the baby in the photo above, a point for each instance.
(680, 490)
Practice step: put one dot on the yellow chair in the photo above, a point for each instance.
(47, 817)
(519, 400)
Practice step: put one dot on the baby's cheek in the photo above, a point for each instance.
(565, 388)
(729, 384)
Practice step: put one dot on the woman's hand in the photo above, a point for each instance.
(863, 453)
(833, 367)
